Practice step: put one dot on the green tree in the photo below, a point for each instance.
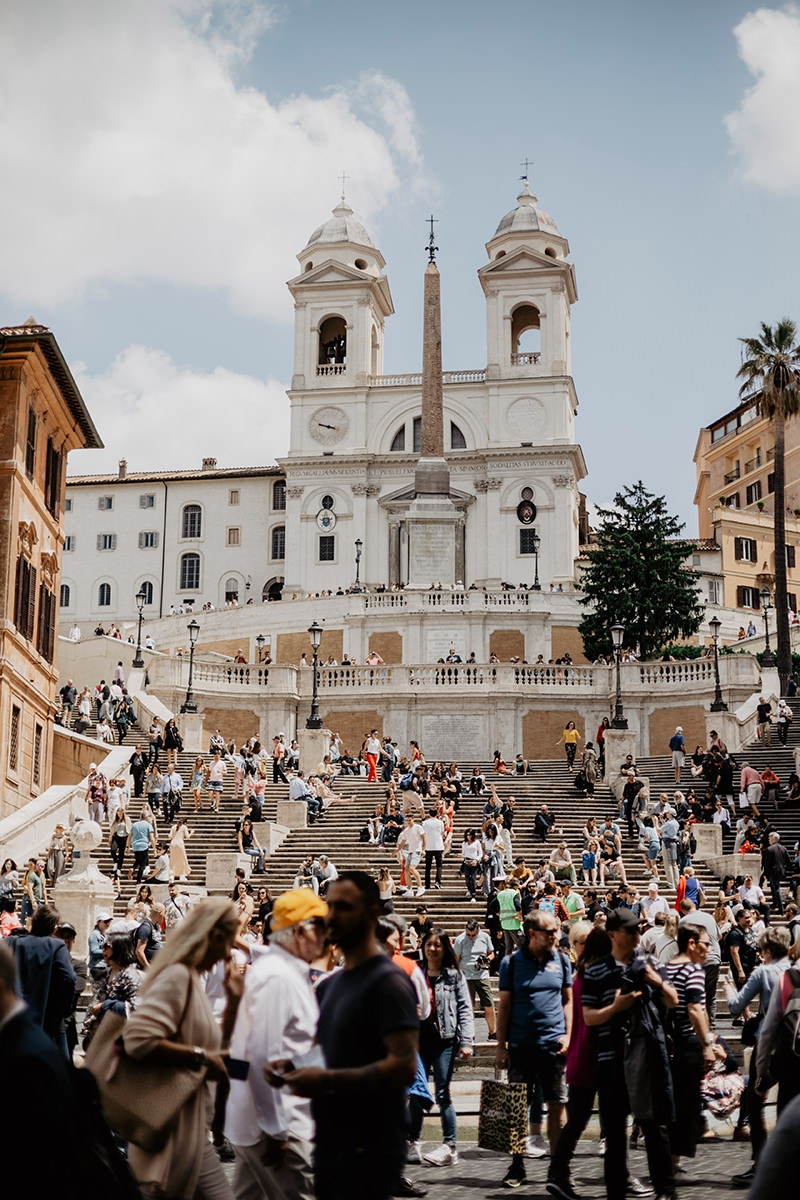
(636, 577)
(770, 373)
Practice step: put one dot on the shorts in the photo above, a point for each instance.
(678, 758)
(215, 785)
(531, 1065)
(483, 990)
(412, 858)
(653, 851)
(66, 706)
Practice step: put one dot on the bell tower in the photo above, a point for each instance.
(529, 288)
(342, 299)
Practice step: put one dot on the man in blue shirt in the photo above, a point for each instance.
(143, 838)
(534, 1023)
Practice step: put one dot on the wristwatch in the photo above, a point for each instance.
(200, 1058)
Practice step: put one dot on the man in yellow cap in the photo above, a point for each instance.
(272, 1129)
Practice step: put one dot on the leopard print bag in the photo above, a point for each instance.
(503, 1120)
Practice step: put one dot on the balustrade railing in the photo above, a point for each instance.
(415, 379)
(235, 674)
(332, 369)
(526, 360)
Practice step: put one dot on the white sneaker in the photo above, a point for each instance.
(536, 1146)
(420, 891)
(601, 1147)
(445, 1156)
(414, 1152)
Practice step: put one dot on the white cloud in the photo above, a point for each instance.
(765, 129)
(163, 417)
(131, 152)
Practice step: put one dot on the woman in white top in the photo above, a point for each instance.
(386, 885)
(85, 704)
(471, 856)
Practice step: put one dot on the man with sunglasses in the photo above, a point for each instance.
(534, 1023)
(272, 1129)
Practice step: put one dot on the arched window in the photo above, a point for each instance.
(457, 439)
(190, 572)
(231, 589)
(278, 547)
(525, 331)
(147, 588)
(64, 595)
(104, 595)
(192, 526)
(279, 495)
(333, 341)
(399, 439)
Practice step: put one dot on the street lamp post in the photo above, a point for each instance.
(719, 704)
(359, 545)
(314, 721)
(189, 705)
(537, 541)
(769, 661)
(260, 644)
(141, 600)
(617, 635)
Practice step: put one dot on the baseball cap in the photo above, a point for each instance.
(296, 905)
(622, 919)
(104, 915)
(92, 766)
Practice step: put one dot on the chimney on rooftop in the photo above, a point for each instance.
(123, 468)
(209, 464)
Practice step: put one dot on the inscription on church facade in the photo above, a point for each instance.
(452, 737)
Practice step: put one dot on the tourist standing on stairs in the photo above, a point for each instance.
(172, 742)
(510, 905)
(534, 1026)
(447, 1034)
(570, 738)
(677, 746)
(669, 847)
(372, 751)
(473, 954)
(433, 830)
(764, 722)
(217, 770)
(171, 788)
(278, 755)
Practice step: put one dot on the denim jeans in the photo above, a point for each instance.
(470, 873)
(440, 1057)
(258, 855)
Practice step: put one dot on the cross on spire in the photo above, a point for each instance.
(431, 247)
(527, 163)
(344, 179)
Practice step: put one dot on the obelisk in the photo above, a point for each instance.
(432, 520)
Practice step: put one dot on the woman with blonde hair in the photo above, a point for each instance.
(199, 781)
(174, 1025)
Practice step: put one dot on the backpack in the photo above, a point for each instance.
(787, 1047)
(548, 905)
(406, 781)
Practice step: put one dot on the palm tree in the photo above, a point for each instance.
(771, 374)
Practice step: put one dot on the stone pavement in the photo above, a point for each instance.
(478, 1173)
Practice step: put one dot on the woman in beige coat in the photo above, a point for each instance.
(174, 1024)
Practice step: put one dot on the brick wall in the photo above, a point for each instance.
(389, 645)
(237, 723)
(663, 722)
(229, 646)
(507, 644)
(542, 729)
(565, 638)
(352, 724)
(291, 646)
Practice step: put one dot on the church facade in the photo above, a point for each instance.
(509, 426)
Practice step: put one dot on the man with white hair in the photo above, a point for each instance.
(678, 747)
(653, 903)
(669, 847)
(271, 1128)
(777, 866)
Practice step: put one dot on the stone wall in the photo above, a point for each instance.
(541, 729)
(227, 646)
(72, 755)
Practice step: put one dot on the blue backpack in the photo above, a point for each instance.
(406, 781)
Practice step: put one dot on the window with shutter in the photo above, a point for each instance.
(52, 481)
(740, 597)
(45, 634)
(31, 623)
(147, 501)
(30, 445)
(790, 556)
(792, 601)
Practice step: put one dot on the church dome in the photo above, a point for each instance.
(341, 227)
(527, 217)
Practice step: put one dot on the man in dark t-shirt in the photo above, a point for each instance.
(368, 1033)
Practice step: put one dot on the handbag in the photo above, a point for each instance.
(503, 1120)
(750, 1030)
(141, 1101)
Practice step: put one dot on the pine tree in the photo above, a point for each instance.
(636, 577)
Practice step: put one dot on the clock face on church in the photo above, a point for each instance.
(328, 425)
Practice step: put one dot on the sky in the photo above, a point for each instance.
(164, 161)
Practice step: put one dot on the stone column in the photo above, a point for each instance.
(619, 744)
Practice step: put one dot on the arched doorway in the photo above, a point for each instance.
(272, 589)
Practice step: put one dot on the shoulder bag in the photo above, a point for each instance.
(141, 1100)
